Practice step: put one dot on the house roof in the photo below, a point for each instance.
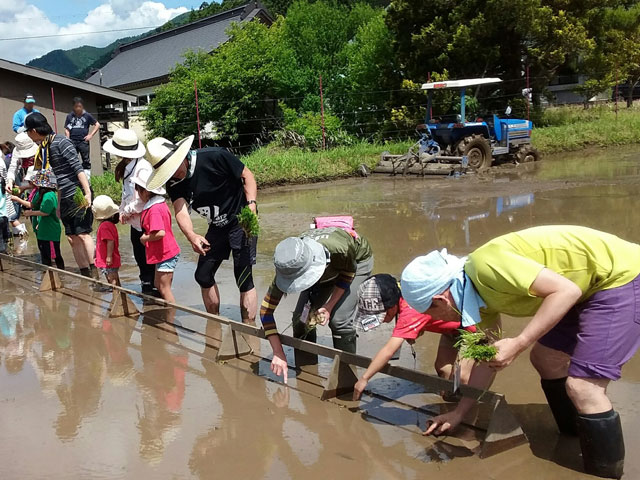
(151, 59)
(102, 93)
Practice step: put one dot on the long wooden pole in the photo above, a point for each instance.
(324, 138)
(53, 104)
(195, 87)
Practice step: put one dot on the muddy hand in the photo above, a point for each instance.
(279, 367)
(359, 388)
(443, 423)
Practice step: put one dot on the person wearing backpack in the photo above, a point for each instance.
(325, 266)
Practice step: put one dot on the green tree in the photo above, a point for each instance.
(476, 38)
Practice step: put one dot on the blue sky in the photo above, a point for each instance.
(67, 24)
(68, 11)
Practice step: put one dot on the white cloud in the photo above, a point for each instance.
(19, 18)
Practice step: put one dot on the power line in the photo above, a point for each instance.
(78, 33)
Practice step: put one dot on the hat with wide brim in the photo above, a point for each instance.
(165, 158)
(125, 144)
(24, 146)
(141, 177)
(104, 207)
(300, 263)
(44, 179)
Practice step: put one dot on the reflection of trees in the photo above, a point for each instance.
(80, 394)
(162, 388)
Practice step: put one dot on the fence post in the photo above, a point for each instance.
(324, 138)
(53, 104)
(195, 87)
(617, 81)
(528, 92)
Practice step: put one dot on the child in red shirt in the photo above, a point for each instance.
(161, 247)
(107, 241)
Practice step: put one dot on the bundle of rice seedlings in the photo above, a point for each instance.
(80, 202)
(79, 199)
(475, 346)
(249, 222)
(15, 191)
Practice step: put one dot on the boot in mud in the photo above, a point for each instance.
(602, 444)
(562, 408)
(346, 342)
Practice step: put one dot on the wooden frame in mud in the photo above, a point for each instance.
(503, 431)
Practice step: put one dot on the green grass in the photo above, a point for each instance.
(273, 165)
(106, 184)
(574, 128)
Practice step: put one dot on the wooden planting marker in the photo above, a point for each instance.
(122, 306)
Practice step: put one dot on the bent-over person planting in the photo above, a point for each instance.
(582, 289)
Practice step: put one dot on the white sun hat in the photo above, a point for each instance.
(104, 207)
(165, 157)
(24, 146)
(125, 144)
(142, 176)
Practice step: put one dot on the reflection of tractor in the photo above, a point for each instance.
(450, 143)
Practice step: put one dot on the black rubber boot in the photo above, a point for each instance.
(602, 444)
(562, 408)
(346, 342)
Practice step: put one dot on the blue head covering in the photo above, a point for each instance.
(431, 275)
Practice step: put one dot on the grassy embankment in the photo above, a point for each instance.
(564, 129)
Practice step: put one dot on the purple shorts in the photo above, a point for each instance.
(600, 334)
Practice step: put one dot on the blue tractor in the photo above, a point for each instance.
(451, 143)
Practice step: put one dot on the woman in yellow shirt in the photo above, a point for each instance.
(582, 288)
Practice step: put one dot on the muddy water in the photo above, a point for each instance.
(85, 397)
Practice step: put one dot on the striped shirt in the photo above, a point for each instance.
(345, 253)
(66, 165)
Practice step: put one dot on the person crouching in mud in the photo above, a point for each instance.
(380, 301)
(582, 288)
(325, 266)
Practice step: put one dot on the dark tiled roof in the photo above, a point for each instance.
(154, 57)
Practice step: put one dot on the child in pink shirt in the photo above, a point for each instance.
(107, 241)
(161, 247)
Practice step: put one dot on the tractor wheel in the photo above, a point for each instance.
(527, 154)
(477, 150)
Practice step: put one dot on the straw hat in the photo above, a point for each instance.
(25, 147)
(104, 207)
(165, 158)
(300, 263)
(142, 176)
(125, 144)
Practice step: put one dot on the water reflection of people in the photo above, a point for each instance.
(582, 288)
(81, 389)
(13, 340)
(162, 385)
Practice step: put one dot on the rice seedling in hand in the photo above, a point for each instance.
(249, 222)
(79, 199)
(15, 191)
(475, 346)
